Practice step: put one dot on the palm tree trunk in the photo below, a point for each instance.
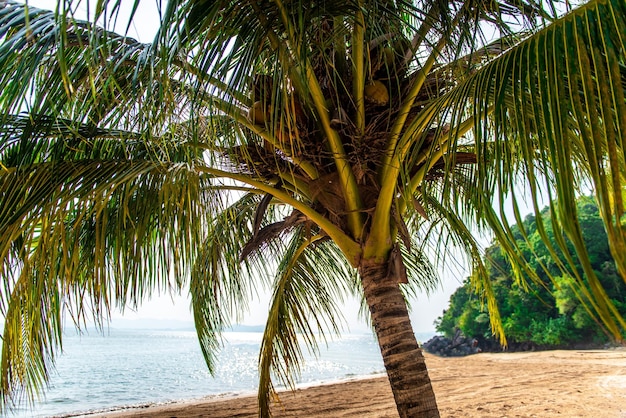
(402, 356)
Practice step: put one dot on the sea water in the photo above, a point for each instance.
(123, 368)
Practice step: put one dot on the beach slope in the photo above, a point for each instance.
(539, 384)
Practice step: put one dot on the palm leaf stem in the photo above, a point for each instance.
(347, 244)
(313, 86)
(409, 100)
(381, 225)
(274, 39)
(231, 188)
(295, 185)
(358, 74)
(285, 57)
(344, 169)
(340, 47)
(238, 116)
(295, 45)
(419, 36)
(61, 58)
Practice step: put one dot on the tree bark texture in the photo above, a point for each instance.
(402, 355)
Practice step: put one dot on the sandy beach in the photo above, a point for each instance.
(539, 384)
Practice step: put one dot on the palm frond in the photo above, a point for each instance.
(67, 60)
(452, 233)
(84, 228)
(31, 337)
(221, 281)
(311, 281)
(561, 129)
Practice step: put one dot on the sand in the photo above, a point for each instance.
(564, 384)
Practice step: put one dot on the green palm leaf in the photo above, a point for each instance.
(220, 282)
(559, 130)
(84, 229)
(311, 281)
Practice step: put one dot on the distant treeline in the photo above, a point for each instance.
(546, 314)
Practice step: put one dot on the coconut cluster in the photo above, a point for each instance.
(291, 120)
(289, 127)
(289, 137)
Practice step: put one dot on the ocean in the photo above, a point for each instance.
(125, 367)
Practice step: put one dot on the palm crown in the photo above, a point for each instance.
(328, 149)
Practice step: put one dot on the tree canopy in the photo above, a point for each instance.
(548, 313)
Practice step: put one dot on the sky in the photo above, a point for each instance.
(166, 311)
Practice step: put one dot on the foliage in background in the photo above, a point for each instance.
(547, 314)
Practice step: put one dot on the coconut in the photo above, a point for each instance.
(376, 92)
(283, 137)
(389, 57)
(256, 114)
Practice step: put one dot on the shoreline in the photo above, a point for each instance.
(217, 397)
(575, 383)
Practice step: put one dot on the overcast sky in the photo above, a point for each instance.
(162, 310)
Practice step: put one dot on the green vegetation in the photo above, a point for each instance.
(546, 313)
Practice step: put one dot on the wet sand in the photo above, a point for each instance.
(539, 384)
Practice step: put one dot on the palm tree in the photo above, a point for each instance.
(323, 149)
